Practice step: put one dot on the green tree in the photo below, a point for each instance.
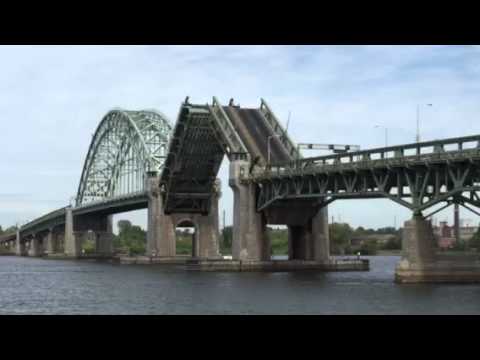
(340, 236)
(227, 235)
(369, 247)
(394, 243)
(278, 241)
(131, 237)
(124, 225)
(386, 230)
(475, 240)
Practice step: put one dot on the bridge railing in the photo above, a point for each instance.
(422, 150)
(51, 215)
(111, 199)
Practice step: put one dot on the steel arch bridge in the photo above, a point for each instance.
(127, 146)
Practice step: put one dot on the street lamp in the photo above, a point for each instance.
(418, 121)
(268, 146)
(386, 133)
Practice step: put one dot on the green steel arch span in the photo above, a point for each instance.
(127, 146)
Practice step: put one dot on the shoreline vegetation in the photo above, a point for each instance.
(344, 240)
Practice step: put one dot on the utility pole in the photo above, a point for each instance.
(386, 133)
(456, 222)
(418, 122)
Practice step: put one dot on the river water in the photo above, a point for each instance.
(38, 286)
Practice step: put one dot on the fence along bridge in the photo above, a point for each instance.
(136, 160)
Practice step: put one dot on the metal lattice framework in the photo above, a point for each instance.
(417, 176)
(126, 147)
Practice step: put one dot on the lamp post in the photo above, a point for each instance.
(418, 122)
(386, 133)
(268, 146)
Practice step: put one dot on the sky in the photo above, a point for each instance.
(53, 97)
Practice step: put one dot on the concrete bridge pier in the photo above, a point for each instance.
(59, 241)
(104, 239)
(80, 228)
(418, 241)
(249, 239)
(419, 263)
(50, 242)
(160, 228)
(73, 239)
(207, 234)
(310, 241)
(418, 253)
(20, 249)
(36, 246)
(208, 231)
(161, 238)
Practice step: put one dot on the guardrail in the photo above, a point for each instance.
(111, 200)
(420, 151)
(51, 215)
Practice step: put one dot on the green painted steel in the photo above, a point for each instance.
(417, 176)
(126, 148)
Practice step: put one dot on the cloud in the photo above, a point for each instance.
(53, 97)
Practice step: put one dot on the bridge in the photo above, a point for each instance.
(138, 160)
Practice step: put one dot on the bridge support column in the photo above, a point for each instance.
(160, 228)
(72, 239)
(250, 240)
(49, 240)
(418, 241)
(310, 241)
(20, 246)
(35, 247)
(104, 239)
(208, 232)
(59, 239)
(418, 252)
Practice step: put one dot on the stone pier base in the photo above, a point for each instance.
(276, 265)
(419, 264)
(438, 272)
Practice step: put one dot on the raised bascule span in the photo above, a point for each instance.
(137, 160)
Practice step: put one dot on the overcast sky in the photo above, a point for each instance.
(53, 97)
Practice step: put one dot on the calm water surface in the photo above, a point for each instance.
(37, 286)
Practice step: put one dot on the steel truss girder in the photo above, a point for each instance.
(415, 187)
(126, 146)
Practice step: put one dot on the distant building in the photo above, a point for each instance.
(381, 239)
(445, 234)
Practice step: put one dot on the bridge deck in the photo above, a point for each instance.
(255, 131)
(438, 171)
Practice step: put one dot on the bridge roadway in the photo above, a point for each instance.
(425, 173)
(288, 190)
